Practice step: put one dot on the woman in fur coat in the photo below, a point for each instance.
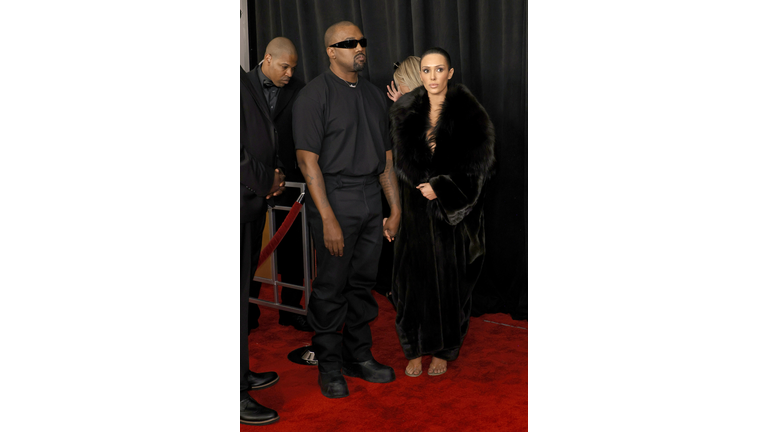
(443, 149)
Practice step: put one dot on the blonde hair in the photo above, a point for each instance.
(408, 73)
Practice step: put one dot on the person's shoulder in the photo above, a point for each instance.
(245, 83)
(411, 100)
(461, 100)
(415, 94)
(314, 90)
(461, 93)
(296, 84)
(293, 89)
(371, 86)
(320, 81)
(318, 84)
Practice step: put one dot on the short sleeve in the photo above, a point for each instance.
(308, 125)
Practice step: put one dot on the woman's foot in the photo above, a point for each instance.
(437, 367)
(414, 367)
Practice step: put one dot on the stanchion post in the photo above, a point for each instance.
(307, 248)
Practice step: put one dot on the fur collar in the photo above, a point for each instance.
(464, 136)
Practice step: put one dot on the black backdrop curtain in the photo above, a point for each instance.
(487, 40)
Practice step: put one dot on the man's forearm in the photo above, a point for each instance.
(313, 176)
(388, 181)
(333, 236)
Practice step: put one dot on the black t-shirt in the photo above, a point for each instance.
(347, 127)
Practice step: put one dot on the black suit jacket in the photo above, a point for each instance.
(258, 151)
(282, 119)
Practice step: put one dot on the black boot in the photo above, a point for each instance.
(252, 413)
(261, 380)
(369, 370)
(333, 385)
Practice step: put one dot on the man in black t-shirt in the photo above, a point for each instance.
(340, 130)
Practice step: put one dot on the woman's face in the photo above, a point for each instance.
(435, 73)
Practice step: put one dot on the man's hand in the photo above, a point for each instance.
(393, 93)
(278, 184)
(333, 237)
(426, 190)
(391, 225)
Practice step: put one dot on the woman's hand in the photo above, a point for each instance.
(393, 93)
(426, 190)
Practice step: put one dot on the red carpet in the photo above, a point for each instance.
(485, 389)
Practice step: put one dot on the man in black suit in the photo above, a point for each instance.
(260, 180)
(273, 78)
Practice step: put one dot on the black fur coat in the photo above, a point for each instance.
(440, 247)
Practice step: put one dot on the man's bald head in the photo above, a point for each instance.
(280, 61)
(330, 34)
(279, 46)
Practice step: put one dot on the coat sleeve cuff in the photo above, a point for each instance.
(453, 203)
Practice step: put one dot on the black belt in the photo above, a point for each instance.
(351, 180)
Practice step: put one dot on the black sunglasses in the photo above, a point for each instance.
(351, 43)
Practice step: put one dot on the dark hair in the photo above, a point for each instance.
(438, 50)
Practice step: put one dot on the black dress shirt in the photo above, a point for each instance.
(269, 88)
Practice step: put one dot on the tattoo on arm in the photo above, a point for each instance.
(313, 176)
(389, 186)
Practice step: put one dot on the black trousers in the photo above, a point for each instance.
(341, 299)
(250, 246)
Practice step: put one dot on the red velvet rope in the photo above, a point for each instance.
(278, 237)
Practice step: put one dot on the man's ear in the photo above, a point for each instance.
(331, 51)
(268, 58)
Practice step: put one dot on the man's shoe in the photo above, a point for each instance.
(299, 322)
(254, 414)
(261, 380)
(369, 370)
(333, 385)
